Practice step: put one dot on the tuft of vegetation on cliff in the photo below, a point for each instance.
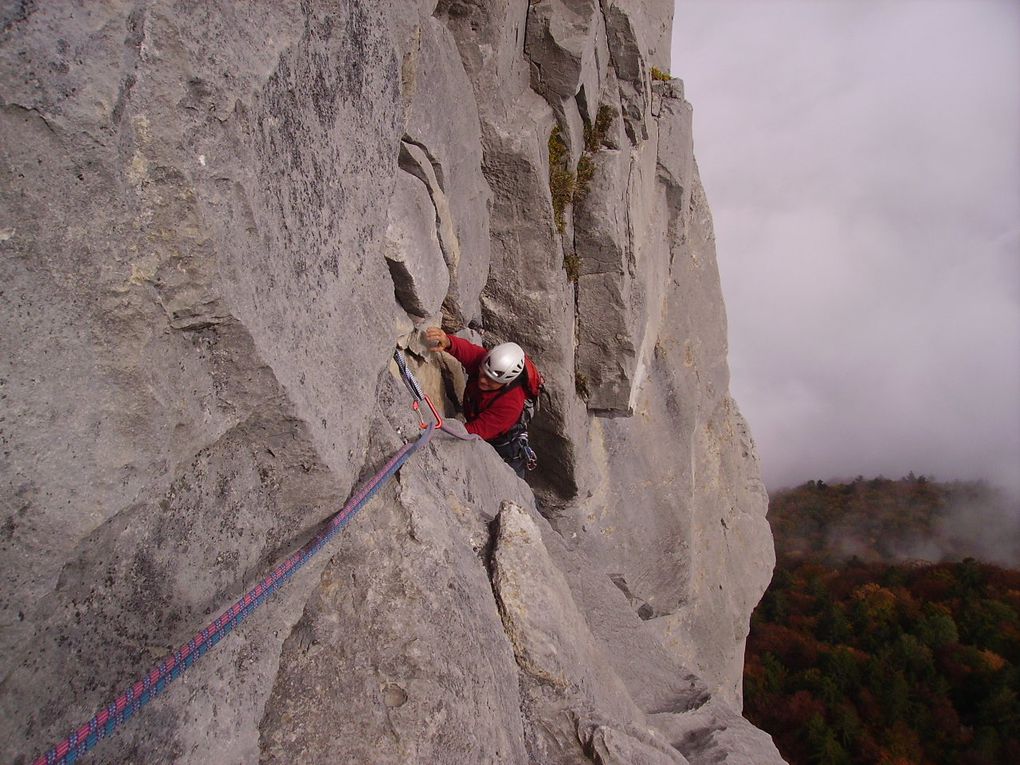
(881, 660)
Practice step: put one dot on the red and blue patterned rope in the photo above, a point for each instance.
(121, 709)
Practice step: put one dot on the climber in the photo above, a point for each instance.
(499, 397)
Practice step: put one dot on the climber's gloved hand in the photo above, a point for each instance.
(436, 339)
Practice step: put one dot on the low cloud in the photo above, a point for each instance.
(978, 522)
(863, 168)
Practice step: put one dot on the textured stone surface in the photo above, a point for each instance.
(607, 746)
(371, 654)
(169, 212)
(218, 221)
(412, 250)
(561, 46)
(568, 683)
(443, 126)
(654, 20)
(627, 46)
(714, 733)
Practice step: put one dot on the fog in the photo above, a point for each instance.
(977, 522)
(862, 162)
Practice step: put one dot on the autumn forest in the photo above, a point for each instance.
(862, 651)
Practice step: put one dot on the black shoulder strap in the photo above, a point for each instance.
(477, 404)
(520, 425)
(515, 383)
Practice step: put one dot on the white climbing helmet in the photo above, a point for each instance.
(504, 363)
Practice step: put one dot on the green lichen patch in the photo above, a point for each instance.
(561, 180)
(572, 265)
(595, 132)
(569, 186)
(581, 386)
(585, 172)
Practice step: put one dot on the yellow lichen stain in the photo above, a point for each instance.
(457, 506)
(6, 234)
(142, 128)
(187, 194)
(141, 276)
(409, 68)
(597, 444)
(138, 170)
(688, 355)
(169, 234)
(144, 271)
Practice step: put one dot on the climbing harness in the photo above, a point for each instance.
(121, 709)
(515, 450)
(528, 451)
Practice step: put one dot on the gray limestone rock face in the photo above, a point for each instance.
(627, 46)
(561, 46)
(169, 211)
(568, 683)
(446, 145)
(622, 224)
(714, 733)
(372, 655)
(661, 522)
(420, 276)
(676, 146)
(654, 19)
(216, 222)
(528, 296)
(610, 747)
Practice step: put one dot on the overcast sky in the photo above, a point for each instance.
(862, 163)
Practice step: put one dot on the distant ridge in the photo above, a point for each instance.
(912, 519)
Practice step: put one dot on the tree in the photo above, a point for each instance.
(823, 747)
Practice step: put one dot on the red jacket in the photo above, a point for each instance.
(490, 414)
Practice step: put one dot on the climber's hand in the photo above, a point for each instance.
(436, 339)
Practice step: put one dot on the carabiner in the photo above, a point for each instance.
(435, 413)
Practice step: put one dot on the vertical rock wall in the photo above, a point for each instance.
(216, 220)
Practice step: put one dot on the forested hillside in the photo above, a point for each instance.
(879, 660)
(910, 519)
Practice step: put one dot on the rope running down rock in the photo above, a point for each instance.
(123, 707)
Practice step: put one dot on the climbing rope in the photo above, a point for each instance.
(405, 374)
(121, 709)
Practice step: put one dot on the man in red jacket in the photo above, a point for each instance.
(494, 397)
